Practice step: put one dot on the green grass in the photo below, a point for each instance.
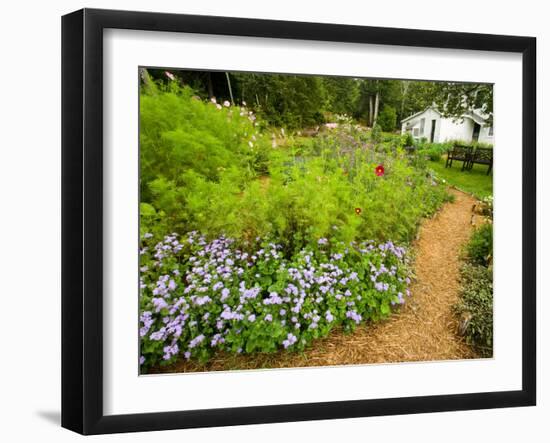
(474, 181)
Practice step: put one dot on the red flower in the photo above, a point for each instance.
(379, 170)
(358, 211)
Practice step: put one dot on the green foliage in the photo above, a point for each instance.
(480, 246)
(341, 94)
(389, 93)
(198, 297)
(415, 96)
(476, 304)
(292, 101)
(409, 139)
(434, 151)
(456, 99)
(211, 170)
(387, 118)
(190, 145)
(476, 295)
(296, 101)
(376, 134)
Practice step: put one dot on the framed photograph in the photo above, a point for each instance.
(268, 221)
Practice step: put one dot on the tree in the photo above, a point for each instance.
(455, 99)
(416, 96)
(374, 94)
(341, 94)
(451, 99)
(387, 118)
(294, 101)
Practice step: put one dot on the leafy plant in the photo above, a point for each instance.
(409, 139)
(387, 118)
(198, 297)
(480, 246)
(434, 151)
(376, 134)
(476, 305)
(191, 179)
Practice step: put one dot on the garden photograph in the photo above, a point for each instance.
(291, 221)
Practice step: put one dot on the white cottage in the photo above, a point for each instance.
(430, 124)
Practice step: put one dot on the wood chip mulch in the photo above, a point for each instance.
(423, 329)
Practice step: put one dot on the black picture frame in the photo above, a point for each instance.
(82, 218)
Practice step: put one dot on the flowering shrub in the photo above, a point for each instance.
(209, 166)
(185, 142)
(199, 296)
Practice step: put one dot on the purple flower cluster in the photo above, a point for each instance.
(199, 295)
(290, 340)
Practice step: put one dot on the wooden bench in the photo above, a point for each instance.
(482, 156)
(461, 153)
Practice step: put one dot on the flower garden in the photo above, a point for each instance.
(257, 240)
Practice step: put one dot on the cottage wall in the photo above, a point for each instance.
(456, 130)
(484, 136)
(445, 129)
(414, 126)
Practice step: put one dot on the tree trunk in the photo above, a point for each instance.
(230, 90)
(369, 120)
(404, 89)
(376, 104)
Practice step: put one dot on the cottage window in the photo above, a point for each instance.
(422, 124)
(415, 132)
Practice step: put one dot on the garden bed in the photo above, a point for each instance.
(256, 244)
(422, 329)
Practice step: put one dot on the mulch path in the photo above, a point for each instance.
(423, 329)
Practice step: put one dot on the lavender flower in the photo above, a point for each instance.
(170, 351)
(290, 340)
(196, 341)
(309, 283)
(225, 294)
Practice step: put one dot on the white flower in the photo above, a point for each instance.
(218, 106)
(226, 104)
(213, 100)
(244, 103)
(251, 144)
(169, 75)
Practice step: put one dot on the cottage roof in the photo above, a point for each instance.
(420, 113)
(477, 115)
